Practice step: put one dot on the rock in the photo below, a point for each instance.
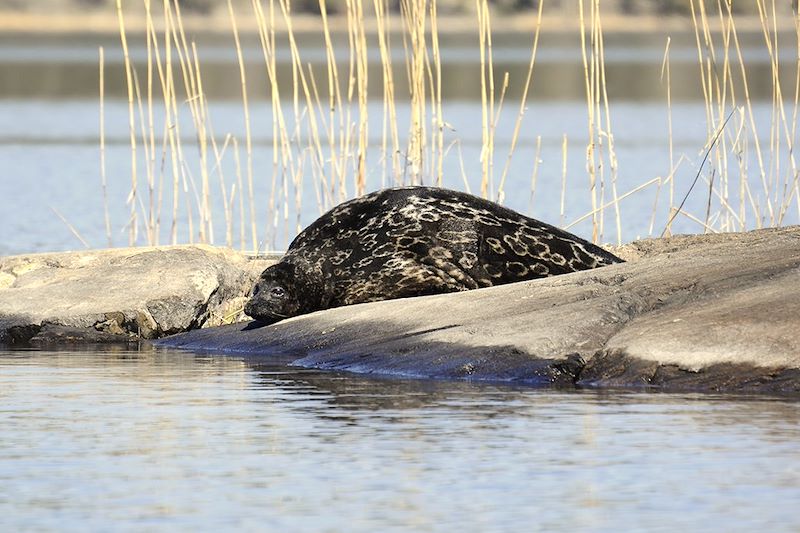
(121, 294)
(711, 312)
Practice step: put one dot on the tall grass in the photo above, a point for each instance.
(321, 140)
(765, 200)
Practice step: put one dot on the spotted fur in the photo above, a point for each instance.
(414, 241)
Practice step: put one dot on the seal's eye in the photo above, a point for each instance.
(277, 292)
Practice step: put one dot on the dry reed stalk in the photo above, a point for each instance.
(607, 131)
(665, 72)
(500, 194)
(588, 74)
(311, 104)
(706, 228)
(240, 188)
(706, 63)
(741, 147)
(71, 228)
(186, 64)
(597, 60)
(535, 173)
(706, 98)
(414, 17)
(717, 90)
(724, 148)
(601, 138)
(247, 135)
(321, 191)
(464, 178)
(774, 140)
(710, 147)
(437, 144)
(356, 10)
(782, 124)
(347, 127)
(103, 180)
(150, 138)
(335, 108)
(795, 189)
(194, 98)
(717, 108)
(523, 103)
(266, 35)
(202, 124)
(146, 216)
(487, 99)
(171, 125)
(726, 209)
(131, 200)
(389, 110)
(612, 202)
(227, 206)
(751, 116)
(176, 147)
(562, 203)
(291, 167)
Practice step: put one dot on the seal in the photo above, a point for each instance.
(413, 241)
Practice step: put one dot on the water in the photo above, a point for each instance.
(162, 440)
(51, 159)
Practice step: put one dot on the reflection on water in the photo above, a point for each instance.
(60, 67)
(168, 440)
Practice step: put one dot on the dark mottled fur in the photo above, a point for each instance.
(414, 241)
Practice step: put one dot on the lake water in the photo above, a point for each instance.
(159, 440)
(171, 441)
(49, 140)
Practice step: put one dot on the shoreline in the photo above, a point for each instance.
(717, 312)
(713, 313)
(104, 23)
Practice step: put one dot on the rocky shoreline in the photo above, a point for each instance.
(122, 295)
(712, 313)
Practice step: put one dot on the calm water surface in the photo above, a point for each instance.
(159, 440)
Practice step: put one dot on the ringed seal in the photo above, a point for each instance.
(413, 241)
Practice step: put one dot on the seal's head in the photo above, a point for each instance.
(279, 293)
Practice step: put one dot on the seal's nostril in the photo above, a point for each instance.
(255, 290)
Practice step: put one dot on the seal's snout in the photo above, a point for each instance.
(252, 306)
(249, 308)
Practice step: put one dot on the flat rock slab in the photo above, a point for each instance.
(121, 294)
(712, 312)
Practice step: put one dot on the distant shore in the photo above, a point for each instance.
(106, 23)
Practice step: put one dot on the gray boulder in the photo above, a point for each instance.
(712, 312)
(122, 294)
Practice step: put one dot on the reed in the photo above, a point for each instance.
(518, 124)
(103, 176)
(321, 126)
(248, 142)
(389, 131)
(132, 222)
(726, 91)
